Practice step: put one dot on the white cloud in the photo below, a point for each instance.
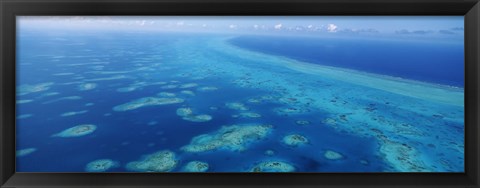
(278, 26)
(332, 28)
(255, 26)
(232, 26)
(310, 26)
(180, 23)
(204, 25)
(142, 23)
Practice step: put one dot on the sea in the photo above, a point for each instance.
(158, 101)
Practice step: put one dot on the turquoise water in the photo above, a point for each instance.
(130, 102)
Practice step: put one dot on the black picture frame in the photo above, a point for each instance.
(11, 8)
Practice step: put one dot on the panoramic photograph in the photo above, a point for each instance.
(240, 94)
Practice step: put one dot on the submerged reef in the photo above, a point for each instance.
(24, 101)
(187, 114)
(166, 94)
(63, 99)
(107, 78)
(64, 74)
(24, 116)
(254, 100)
(138, 85)
(161, 161)
(295, 140)
(126, 89)
(273, 166)
(330, 121)
(247, 115)
(269, 152)
(171, 86)
(401, 157)
(146, 101)
(195, 166)
(87, 86)
(236, 106)
(198, 118)
(364, 162)
(26, 151)
(332, 155)
(50, 94)
(234, 138)
(288, 100)
(189, 85)
(27, 89)
(285, 111)
(101, 165)
(73, 113)
(187, 92)
(79, 130)
(152, 123)
(302, 122)
(184, 112)
(208, 88)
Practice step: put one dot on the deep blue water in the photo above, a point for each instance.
(182, 58)
(433, 62)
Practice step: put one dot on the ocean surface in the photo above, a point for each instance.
(164, 102)
(429, 61)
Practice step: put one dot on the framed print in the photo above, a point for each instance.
(251, 93)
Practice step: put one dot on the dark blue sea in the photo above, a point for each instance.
(435, 62)
(130, 87)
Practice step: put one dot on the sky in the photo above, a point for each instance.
(443, 27)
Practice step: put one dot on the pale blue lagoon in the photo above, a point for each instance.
(114, 101)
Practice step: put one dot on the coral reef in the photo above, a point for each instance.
(79, 130)
(146, 101)
(161, 161)
(234, 138)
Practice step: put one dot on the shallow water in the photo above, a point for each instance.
(374, 128)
